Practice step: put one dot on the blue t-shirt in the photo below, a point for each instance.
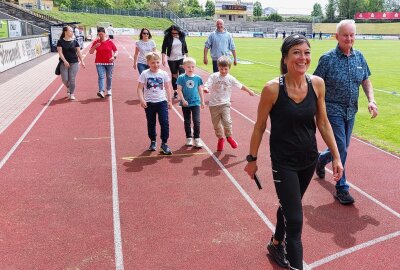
(190, 88)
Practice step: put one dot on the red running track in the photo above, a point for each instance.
(80, 191)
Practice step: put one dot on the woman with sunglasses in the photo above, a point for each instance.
(174, 47)
(143, 46)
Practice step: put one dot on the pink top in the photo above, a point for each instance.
(104, 52)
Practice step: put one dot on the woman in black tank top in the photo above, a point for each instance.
(296, 104)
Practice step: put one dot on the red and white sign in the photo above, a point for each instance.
(377, 16)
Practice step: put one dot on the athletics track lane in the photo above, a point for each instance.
(207, 222)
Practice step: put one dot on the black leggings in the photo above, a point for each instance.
(176, 69)
(290, 187)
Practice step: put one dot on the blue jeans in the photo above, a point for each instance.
(193, 111)
(215, 66)
(104, 71)
(342, 130)
(142, 67)
(160, 108)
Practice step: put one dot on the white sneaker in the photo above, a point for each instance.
(197, 143)
(189, 142)
(100, 94)
(72, 97)
(108, 93)
(68, 92)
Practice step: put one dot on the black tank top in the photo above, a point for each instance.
(292, 141)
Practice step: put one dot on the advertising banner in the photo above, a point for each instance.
(55, 34)
(377, 16)
(16, 52)
(3, 29)
(14, 28)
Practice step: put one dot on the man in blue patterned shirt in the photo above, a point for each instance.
(343, 70)
(219, 42)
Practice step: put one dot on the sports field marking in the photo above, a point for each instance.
(119, 261)
(28, 129)
(350, 184)
(88, 138)
(239, 187)
(353, 249)
(370, 197)
(161, 155)
(387, 92)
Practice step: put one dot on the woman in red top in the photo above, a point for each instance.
(106, 53)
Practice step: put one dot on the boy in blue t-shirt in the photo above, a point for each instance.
(190, 92)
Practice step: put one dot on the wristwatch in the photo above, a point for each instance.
(250, 158)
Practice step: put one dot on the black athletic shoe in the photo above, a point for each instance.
(165, 149)
(278, 252)
(344, 197)
(320, 169)
(153, 146)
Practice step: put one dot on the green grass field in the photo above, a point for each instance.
(264, 57)
(384, 131)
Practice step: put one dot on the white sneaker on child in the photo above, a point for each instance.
(189, 142)
(197, 143)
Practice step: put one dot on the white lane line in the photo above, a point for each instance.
(119, 260)
(394, 93)
(373, 146)
(384, 206)
(353, 249)
(239, 187)
(350, 184)
(29, 128)
(360, 246)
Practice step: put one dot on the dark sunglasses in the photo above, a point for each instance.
(145, 33)
(175, 33)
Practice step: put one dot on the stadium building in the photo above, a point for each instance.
(236, 11)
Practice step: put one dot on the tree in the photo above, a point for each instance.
(210, 8)
(275, 17)
(194, 8)
(317, 10)
(330, 11)
(392, 5)
(257, 9)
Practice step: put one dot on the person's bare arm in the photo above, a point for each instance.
(369, 92)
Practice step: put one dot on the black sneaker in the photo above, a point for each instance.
(278, 252)
(175, 94)
(153, 146)
(344, 197)
(320, 169)
(165, 149)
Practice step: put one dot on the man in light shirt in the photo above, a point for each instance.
(220, 43)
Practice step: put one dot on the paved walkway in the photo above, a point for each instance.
(19, 86)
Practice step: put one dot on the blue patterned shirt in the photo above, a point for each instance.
(343, 76)
(220, 43)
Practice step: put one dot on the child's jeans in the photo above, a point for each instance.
(160, 108)
(193, 111)
(221, 119)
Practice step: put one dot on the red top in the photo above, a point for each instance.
(104, 51)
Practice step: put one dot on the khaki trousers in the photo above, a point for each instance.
(221, 119)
